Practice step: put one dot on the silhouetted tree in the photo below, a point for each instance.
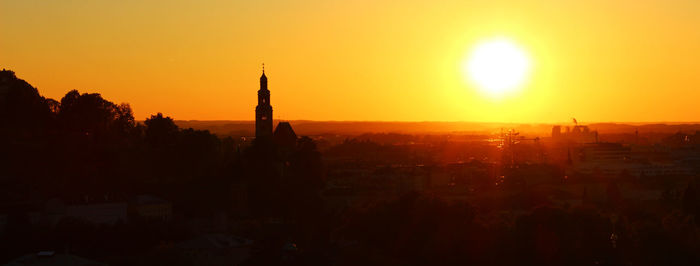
(22, 109)
(306, 167)
(89, 114)
(160, 131)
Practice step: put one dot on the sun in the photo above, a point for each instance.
(498, 67)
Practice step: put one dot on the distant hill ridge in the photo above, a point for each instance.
(307, 127)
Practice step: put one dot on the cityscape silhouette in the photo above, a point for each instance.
(414, 133)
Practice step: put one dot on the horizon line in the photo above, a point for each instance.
(446, 121)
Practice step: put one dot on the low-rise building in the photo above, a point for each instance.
(151, 208)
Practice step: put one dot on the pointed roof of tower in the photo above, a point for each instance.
(263, 73)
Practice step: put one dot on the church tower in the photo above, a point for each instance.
(263, 112)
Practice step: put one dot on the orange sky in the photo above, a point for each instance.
(596, 60)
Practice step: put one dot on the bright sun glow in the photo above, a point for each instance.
(498, 67)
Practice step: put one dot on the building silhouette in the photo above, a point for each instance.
(576, 134)
(284, 134)
(263, 112)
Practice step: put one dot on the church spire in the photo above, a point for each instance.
(263, 112)
(263, 79)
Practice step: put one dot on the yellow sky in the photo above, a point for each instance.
(596, 60)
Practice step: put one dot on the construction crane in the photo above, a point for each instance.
(509, 139)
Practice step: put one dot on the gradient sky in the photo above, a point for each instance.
(596, 60)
